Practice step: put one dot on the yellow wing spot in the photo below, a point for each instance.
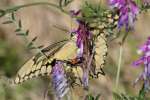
(78, 71)
(109, 15)
(110, 20)
(33, 68)
(115, 23)
(116, 17)
(22, 75)
(26, 77)
(21, 80)
(39, 65)
(31, 75)
(37, 73)
(17, 80)
(43, 70)
(101, 26)
(49, 70)
(28, 71)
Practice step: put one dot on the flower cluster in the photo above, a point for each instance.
(83, 39)
(128, 11)
(59, 80)
(145, 59)
(82, 33)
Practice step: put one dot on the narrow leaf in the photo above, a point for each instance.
(7, 22)
(18, 30)
(20, 24)
(2, 13)
(60, 3)
(32, 47)
(97, 97)
(116, 96)
(34, 39)
(12, 16)
(27, 32)
(30, 44)
(142, 93)
(22, 34)
(68, 2)
(40, 47)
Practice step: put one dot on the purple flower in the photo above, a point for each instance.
(145, 59)
(83, 33)
(117, 3)
(75, 13)
(59, 80)
(83, 41)
(85, 79)
(128, 11)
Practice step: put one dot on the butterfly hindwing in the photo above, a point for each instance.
(99, 56)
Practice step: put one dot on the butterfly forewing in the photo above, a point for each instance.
(41, 63)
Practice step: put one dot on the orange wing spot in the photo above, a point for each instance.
(74, 61)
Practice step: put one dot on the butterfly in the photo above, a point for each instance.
(41, 65)
(65, 51)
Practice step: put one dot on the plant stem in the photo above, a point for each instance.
(15, 8)
(120, 58)
(119, 65)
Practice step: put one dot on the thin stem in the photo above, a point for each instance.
(124, 38)
(13, 9)
(119, 65)
(120, 58)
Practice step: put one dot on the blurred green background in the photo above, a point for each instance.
(41, 21)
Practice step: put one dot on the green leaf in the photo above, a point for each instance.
(2, 13)
(34, 39)
(21, 34)
(27, 33)
(30, 44)
(63, 3)
(40, 47)
(125, 97)
(142, 93)
(117, 96)
(67, 2)
(32, 48)
(90, 97)
(97, 97)
(18, 30)
(7, 22)
(12, 16)
(20, 24)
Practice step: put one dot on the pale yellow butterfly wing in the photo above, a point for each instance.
(101, 50)
(99, 56)
(40, 65)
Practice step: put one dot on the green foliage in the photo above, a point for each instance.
(121, 96)
(8, 59)
(63, 3)
(97, 16)
(2, 13)
(94, 15)
(21, 32)
(91, 97)
(142, 93)
(143, 6)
